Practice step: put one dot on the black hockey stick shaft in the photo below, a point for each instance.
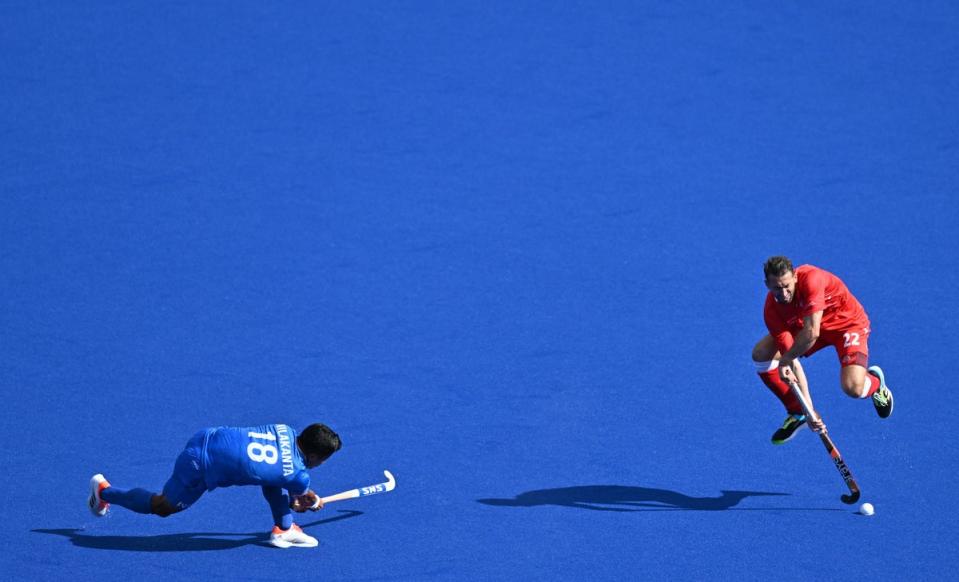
(841, 466)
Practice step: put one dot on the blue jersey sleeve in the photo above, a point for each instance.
(300, 483)
(256, 455)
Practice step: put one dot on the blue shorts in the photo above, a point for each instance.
(186, 485)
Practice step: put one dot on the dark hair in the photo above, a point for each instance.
(320, 440)
(777, 266)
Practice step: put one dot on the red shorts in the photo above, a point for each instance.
(851, 345)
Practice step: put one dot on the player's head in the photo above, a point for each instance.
(317, 442)
(780, 278)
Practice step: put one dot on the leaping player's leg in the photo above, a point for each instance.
(856, 379)
(856, 382)
(285, 534)
(766, 357)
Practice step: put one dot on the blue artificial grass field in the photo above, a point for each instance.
(510, 251)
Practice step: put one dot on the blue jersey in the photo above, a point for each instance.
(255, 455)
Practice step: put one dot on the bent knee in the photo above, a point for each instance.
(163, 508)
(165, 511)
(852, 388)
(765, 350)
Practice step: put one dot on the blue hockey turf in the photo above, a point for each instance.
(510, 251)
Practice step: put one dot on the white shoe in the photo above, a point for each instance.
(98, 507)
(292, 537)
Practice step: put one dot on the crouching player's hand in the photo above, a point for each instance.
(308, 501)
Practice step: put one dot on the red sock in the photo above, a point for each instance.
(776, 385)
(874, 384)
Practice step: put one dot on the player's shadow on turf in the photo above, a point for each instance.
(624, 498)
(182, 542)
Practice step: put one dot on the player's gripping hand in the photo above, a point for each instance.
(308, 501)
(815, 423)
(786, 372)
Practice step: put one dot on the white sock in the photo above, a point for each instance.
(766, 366)
(867, 385)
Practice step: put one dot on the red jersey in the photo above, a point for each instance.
(816, 290)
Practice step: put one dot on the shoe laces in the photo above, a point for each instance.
(881, 397)
(794, 419)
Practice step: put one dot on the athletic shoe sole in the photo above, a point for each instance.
(306, 541)
(280, 543)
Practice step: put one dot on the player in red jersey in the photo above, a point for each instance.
(806, 310)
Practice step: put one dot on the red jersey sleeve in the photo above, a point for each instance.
(812, 289)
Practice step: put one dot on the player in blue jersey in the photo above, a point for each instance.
(272, 456)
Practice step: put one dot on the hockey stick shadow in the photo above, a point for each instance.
(181, 542)
(625, 498)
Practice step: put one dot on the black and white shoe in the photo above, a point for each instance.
(881, 398)
(788, 430)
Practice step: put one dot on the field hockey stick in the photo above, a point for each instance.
(386, 487)
(831, 447)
